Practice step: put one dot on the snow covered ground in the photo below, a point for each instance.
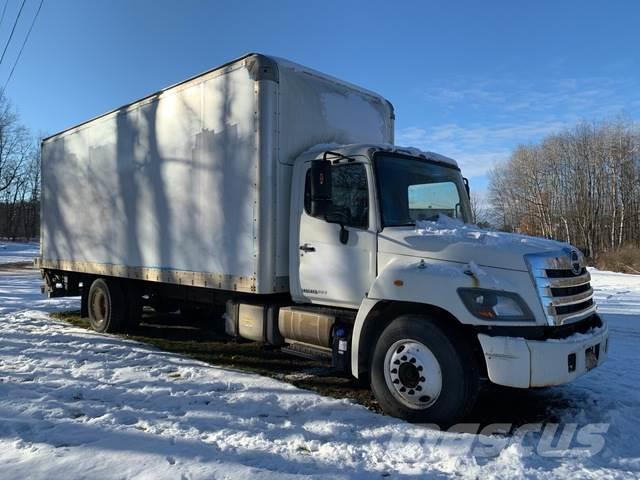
(14, 252)
(76, 404)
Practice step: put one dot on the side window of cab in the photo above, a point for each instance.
(350, 195)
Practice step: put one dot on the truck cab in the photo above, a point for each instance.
(386, 232)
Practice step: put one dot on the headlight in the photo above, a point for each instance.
(495, 305)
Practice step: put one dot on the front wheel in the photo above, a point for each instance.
(423, 374)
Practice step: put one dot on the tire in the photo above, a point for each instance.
(422, 374)
(107, 305)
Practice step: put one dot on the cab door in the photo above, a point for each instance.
(334, 267)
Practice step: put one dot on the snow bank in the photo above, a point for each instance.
(21, 291)
(76, 404)
(13, 252)
(616, 293)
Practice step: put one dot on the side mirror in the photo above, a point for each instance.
(320, 187)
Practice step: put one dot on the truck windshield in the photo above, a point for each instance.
(413, 189)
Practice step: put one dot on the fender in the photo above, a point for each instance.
(407, 279)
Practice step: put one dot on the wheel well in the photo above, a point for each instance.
(384, 312)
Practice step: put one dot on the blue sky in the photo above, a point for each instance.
(468, 79)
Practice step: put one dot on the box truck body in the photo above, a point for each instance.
(191, 185)
(274, 192)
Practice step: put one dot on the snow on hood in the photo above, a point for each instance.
(459, 231)
(447, 239)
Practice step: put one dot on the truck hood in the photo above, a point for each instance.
(451, 240)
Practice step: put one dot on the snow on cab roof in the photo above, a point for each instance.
(366, 148)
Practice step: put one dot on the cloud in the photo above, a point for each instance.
(475, 94)
(477, 148)
(494, 116)
(564, 96)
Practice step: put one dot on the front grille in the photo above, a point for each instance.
(567, 291)
(566, 297)
(562, 273)
(576, 307)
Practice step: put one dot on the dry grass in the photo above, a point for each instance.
(625, 260)
(173, 333)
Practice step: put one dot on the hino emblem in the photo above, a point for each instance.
(576, 267)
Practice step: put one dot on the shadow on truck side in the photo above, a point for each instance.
(178, 334)
(169, 232)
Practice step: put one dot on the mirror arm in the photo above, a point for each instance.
(344, 235)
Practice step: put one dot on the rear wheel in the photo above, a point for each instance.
(423, 374)
(107, 306)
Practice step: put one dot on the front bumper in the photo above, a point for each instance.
(523, 363)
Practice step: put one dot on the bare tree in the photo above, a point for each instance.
(479, 210)
(19, 176)
(580, 186)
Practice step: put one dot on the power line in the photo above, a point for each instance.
(15, 23)
(26, 38)
(4, 10)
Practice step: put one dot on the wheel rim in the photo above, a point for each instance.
(413, 374)
(98, 306)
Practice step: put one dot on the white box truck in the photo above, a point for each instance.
(276, 191)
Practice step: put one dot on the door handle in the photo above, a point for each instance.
(307, 248)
